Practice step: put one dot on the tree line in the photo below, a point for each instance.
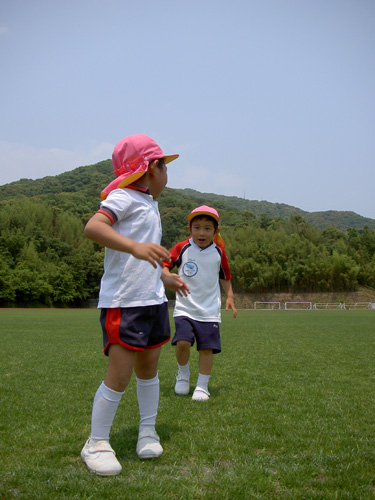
(45, 258)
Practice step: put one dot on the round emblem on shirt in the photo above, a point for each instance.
(190, 269)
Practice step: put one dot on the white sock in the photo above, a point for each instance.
(203, 381)
(148, 401)
(184, 369)
(104, 409)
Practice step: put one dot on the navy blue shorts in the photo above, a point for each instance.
(206, 333)
(136, 328)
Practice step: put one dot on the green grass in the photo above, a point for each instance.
(291, 414)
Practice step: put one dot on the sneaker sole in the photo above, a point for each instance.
(147, 456)
(181, 393)
(101, 473)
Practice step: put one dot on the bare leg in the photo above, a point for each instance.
(182, 386)
(183, 352)
(120, 367)
(206, 359)
(146, 363)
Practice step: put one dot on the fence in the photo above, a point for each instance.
(309, 306)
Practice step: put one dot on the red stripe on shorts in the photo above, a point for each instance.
(112, 325)
(158, 345)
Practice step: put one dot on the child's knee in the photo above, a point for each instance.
(183, 345)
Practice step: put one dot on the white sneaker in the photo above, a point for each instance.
(200, 394)
(182, 386)
(148, 445)
(100, 458)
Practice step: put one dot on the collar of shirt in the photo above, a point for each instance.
(138, 187)
(192, 242)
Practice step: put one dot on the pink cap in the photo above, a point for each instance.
(211, 212)
(130, 160)
(203, 210)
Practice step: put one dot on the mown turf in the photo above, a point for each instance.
(291, 416)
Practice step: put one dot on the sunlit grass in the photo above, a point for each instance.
(291, 414)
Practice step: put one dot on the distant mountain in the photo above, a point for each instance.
(321, 220)
(79, 190)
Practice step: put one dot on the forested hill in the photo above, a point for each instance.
(80, 188)
(46, 260)
(340, 220)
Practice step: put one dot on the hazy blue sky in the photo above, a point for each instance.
(269, 99)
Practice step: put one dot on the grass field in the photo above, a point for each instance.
(291, 414)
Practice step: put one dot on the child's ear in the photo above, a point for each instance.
(152, 166)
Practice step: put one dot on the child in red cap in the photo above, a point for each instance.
(202, 262)
(134, 313)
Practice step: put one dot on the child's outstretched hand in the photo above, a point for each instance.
(174, 282)
(153, 253)
(99, 229)
(229, 304)
(177, 284)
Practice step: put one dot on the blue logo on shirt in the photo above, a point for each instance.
(190, 269)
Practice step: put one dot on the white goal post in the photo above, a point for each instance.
(298, 306)
(267, 306)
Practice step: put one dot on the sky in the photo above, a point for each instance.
(265, 100)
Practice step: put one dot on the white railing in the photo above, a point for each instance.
(298, 306)
(323, 305)
(356, 305)
(267, 306)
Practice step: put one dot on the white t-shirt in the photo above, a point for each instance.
(127, 281)
(201, 270)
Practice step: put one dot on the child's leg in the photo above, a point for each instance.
(182, 386)
(145, 367)
(205, 366)
(104, 409)
(183, 352)
(146, 370)
(108, 396)
(97, 452)
(120, 367)
(206, 359)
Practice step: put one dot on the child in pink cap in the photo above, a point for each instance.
(202, 262)
(134, 312)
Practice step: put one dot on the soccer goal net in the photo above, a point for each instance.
(263, 306)
(298, 306)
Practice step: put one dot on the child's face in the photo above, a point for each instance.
(203, 231)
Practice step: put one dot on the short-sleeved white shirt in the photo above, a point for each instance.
(127, 281)
(201, 270)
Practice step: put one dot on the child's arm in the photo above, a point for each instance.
(174, 282)
(227, 287)
(99, 229)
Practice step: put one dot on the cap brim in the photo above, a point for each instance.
(120, 182)
(169, 158)
(195, 214)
